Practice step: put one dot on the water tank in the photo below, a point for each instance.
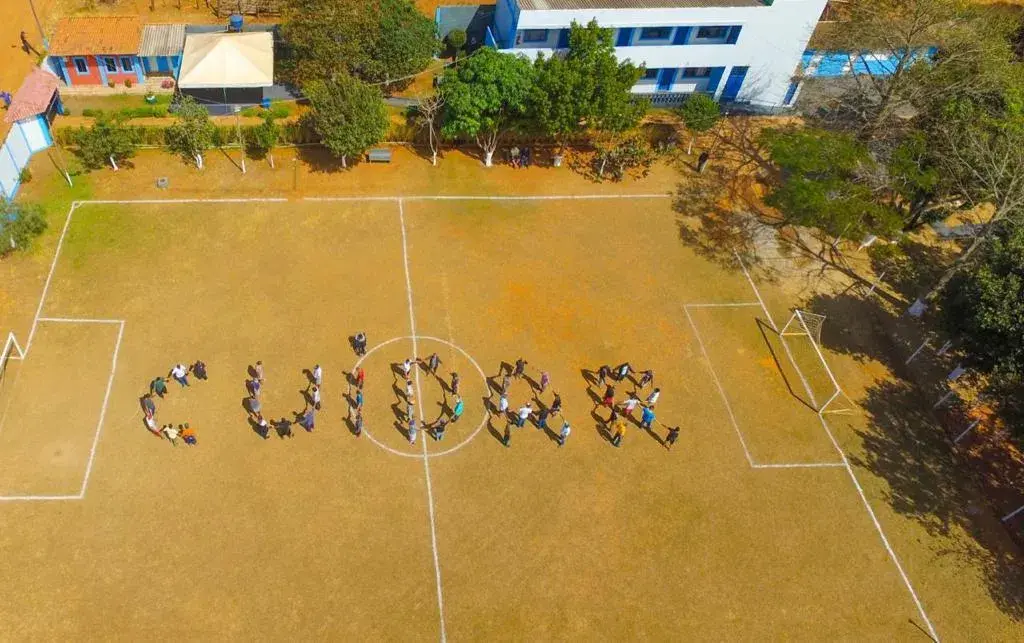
(235, 22)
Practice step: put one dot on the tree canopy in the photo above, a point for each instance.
(348, 114)
(485, 95)
(585, 88)
(823, 180)
(108, 140)
(377, 41)
(20, 223)
(193, 132)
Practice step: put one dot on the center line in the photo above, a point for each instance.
(419, 404)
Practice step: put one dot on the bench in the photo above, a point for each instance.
(379, 155)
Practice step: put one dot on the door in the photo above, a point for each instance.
(733, 84)
(665, 79)
(162, 65)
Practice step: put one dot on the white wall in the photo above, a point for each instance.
(771, 42)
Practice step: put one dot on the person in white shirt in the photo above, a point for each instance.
(503, 404)
(412, 430)
(315, 396)
(563, 435)
(180, 374)
(407, 367)
(524, 413)
(171, 433)
(318, 375)
(652, 399)
(630, 404)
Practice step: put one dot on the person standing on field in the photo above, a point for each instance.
(623, 371)
(148, 405)
(318, 375)
(199, 368)
(673, 435)
(545, 379)
(630, 404)
(647, 418)
(609, 396)
(542, 419)
(360, 343)
(360, 377)
(407, 368)
(556, 404)
(457, 411)
(652, 399)
(563, 435)
(455, 384)
(523, 413)
(647, 377)
(520, 368)
(254, 387)
(359, 400)
(602, 374)
(158, 386)
(620, 432)
(412, 431)
(433, 363)
(180, 374)
(258, 369)
(358, 423)
(308, 419)
(315, 397)
(506, 384)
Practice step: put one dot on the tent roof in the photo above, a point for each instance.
(33, 97)
(217, 60)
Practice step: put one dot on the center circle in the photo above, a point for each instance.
(456, 447)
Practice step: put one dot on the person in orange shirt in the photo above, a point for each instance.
(620, 431)
(188, 434)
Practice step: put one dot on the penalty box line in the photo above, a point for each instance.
(849, 469)
(102, 417)
(728, 406)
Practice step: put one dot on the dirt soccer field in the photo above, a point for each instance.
(752, 526)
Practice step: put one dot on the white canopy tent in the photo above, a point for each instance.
(227, 61)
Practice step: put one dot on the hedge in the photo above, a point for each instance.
(291, 133)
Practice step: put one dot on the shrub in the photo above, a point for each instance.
(19, 224)
(456, 39)
(25, 175)
(89, 112)
(167, 83)
(111, 84)
(127, 82)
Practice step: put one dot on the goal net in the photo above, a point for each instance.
(803, 323)
(12, 350)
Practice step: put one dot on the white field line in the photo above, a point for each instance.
(103, 410)
(423, 431)
(718, 384)
(172, 201)
(49, 276)
(757, 292)
(849, 469)
(72, 320)
(800, 465)
(37, 498)
(470, 197)
(725, 305)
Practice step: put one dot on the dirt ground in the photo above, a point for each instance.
(337, 535)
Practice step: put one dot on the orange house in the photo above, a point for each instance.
(97, 50)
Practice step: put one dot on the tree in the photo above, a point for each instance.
(823, 181)
(428, 114)
(348, 114)
(377, 41)
(985, 308)
(938, 48)
(981, 153)
(456, 39)
(263, 138)
(193, 132)
(109, 140)
(586, 88)
(19, 224)
(485, 96)
(700, 112)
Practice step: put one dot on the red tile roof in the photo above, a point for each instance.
(33, 97)
(85, 35)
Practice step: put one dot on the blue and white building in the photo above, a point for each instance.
(743, 51)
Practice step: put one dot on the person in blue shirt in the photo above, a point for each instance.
(458, 409)
(647, 418)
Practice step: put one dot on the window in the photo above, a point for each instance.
(697, 72)
(127, 64)
(651, 74)
(655, 33)
(535, 35)
(111, 64)
(712, 33)
(80, 66)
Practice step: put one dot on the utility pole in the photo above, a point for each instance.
(39, 26)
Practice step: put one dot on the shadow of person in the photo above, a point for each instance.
(350, 424)
(498, 435)
(503, 368)
(307, 398)
(589, 376)
(654, 434)
(402, 429)
(251, 370)
(534, 386)
(492, 384)
(594, 397)
(353, 344)
(399, 393)
(400, 416)
(309, 376)
(397, 371)
(263, 432)
(602, 426)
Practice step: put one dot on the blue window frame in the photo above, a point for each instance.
(696, 72)
(625, 37)
(127, 64)
(650, 74)
(535, 35)
(81, 66)
(655, 33)
(712, 33)
(111, 64)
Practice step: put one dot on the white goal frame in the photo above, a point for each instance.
(806, 323)
(10, 346)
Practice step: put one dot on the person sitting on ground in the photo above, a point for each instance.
(199, 368)
(188, 434)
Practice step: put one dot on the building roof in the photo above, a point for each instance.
(162, 40)
(33, 97)
(97, 35)
(215, 60)
(554, 5)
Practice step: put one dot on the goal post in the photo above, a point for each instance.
(12, 350)
(801, 323)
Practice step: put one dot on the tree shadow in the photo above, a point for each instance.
(926, 482)
(911, 266)
(319, 160)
